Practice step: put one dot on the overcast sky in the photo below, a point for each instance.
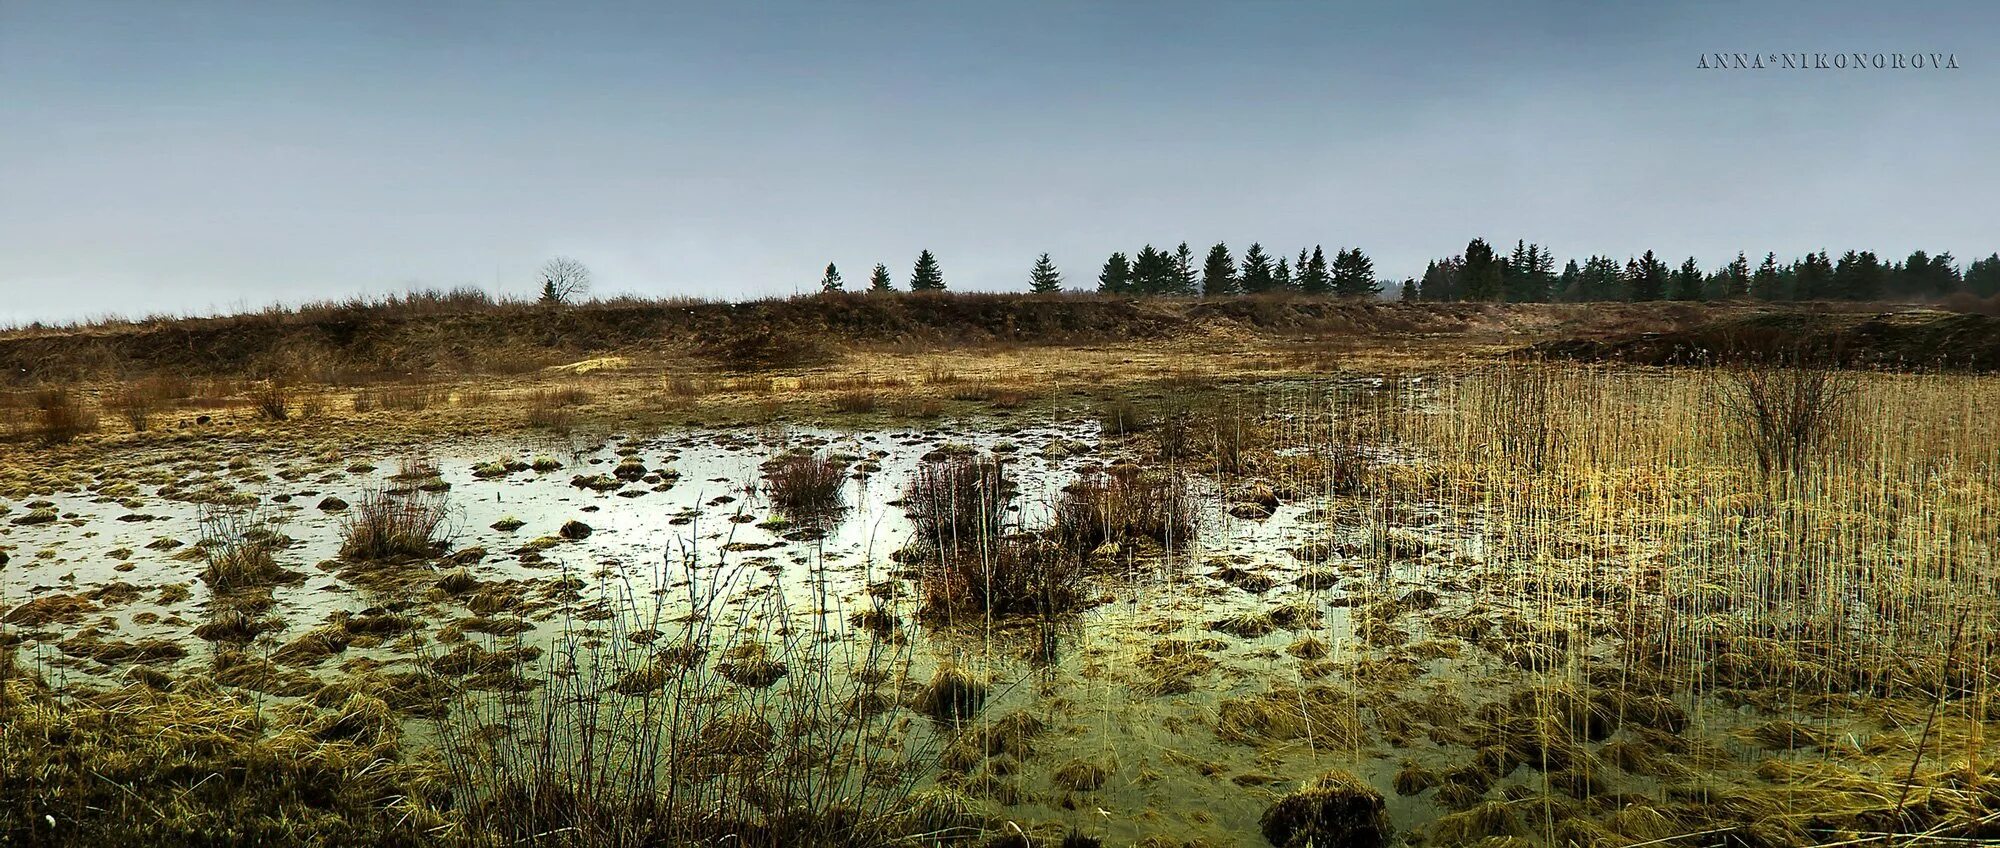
(187, 157)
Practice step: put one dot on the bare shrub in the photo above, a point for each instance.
(136, 403)
(63, 416)
(1787, 412)
(802, 483)
(272, 399)
(382, 526)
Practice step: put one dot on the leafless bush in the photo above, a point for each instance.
(273, 398)
(63, 416)
(136, 403)
(1788, 412)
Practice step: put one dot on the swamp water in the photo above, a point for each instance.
(1202, 685)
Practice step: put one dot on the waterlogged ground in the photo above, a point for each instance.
(1204, 684)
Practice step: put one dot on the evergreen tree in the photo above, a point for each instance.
(1218, 274)
(1569, 286)
(1514, 273)
(1315, 277)
(1483, 273)
(1764, 285)
(1441, 280)
(1813, 277)
(926, 276)
(1116, 278)
(1185, 283)
(879, 281)
(1530, 273)
(1044, 278)
(1299, 269)
(1647, 277)
(1257, 270)
(1152, 271)
(1858, 276)
(1281, 276)
(830, 281)
(1923, 275)
(1982, 277)
(1735, 279)
(1602, 279)
(1409, 293)
(1687, 281)
(1354, 274)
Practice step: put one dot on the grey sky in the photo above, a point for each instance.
(189, 157)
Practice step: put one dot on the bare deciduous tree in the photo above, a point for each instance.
(564, 280)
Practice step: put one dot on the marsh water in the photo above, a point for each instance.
(120, 542)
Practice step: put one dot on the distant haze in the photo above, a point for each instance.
(192, 157)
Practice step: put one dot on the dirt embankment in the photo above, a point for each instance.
(514, 337)
(1910, 340)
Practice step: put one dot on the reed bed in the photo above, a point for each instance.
(1797, 559)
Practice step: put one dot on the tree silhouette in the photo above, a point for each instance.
(926, 276)
(1044, 278)
(564, 280)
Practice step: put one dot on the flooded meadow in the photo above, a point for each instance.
(1513, 604)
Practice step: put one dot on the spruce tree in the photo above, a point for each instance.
(1764, 283)
(830, 281)
(1152, 271)
(1299, 271)
(1482, 273)
(1116, 278)
(1647, 277)
(1044, 278)
(1813, 277)
(1317, 276)
(926, 276)
(1409, 293)
(1569, 286)
(1218, 274)
(879, 281)
(1687, 281)
(1354, 274)
(1602, 280)
(1982, 277)
(1256, 270)
(1442, 280)
(1735, 282)
(1282, 277)
(1185, 283)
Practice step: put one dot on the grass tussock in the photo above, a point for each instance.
(959, 502)
(1125, 505)
(554, 409)
(805, 483)
(385, 526)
